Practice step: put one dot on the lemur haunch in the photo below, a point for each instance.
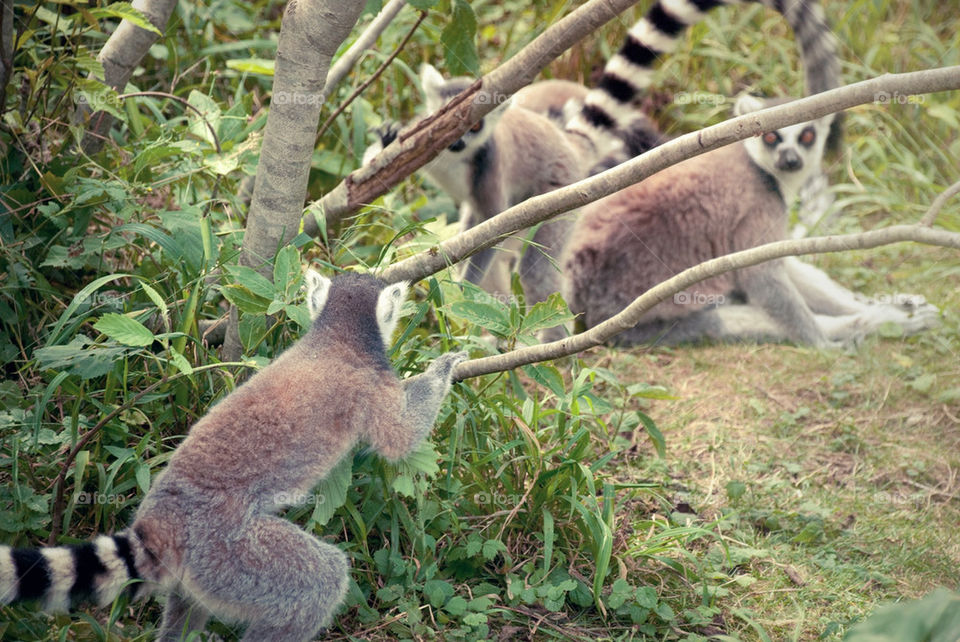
(720, 202)
(207, 533)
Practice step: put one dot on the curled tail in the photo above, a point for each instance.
(60, 576)
(609, 117)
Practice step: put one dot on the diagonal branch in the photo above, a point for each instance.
(632, 314)
(545, 206)
(414, 149)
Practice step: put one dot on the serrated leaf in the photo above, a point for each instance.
(244, 299)
(547, 376)
(403, 485)
(80, 357)
(455, 606)
(736, 489)
(459, 48)
(491, 547)
(422, 460)
(438, 592)
(124, 330)
(484, 315)
(547, 314)
(125, 11)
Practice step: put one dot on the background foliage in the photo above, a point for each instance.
(549, 504)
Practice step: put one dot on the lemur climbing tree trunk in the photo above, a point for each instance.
(310, 34)
(121, 54)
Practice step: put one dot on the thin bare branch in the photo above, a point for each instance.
(631, 315)
(366, 83)
(588, 190)
(364, 41)
(415, 148)
(938, 204)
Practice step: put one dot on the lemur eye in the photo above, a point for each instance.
(771, 138)
(477, 126)
(807, 136)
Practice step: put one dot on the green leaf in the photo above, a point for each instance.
(252, 280)
(209, 116)
(659, 442)
(80, 357)
(736, 489)
(456, 606)
(484, 315)
(935, 618)
(547, 314)
(459, 48)
(124, 330)
(620, 592)
(180, 362)
(244, 299)
(125, 11)
(143, 476)
(437, 592)
(286, 272)
(422, 5)
(491, 547)
(422, 460)
(547, 376)
(262, 66)
(331, 493)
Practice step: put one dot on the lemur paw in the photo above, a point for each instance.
(443, 365)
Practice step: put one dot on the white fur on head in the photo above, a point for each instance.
(318, 287)
(747, 104)
(432, 82)
(388, 309)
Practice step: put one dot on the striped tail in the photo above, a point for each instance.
(609, 117)
(61, 576)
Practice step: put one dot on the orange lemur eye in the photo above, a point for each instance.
(807, 136)
(771, 138)
(477, 126)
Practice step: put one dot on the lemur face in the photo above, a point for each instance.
(439, 91)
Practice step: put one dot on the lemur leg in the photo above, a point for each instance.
(180, 618)
(286, 583)
(423, 395)
(769, 287)
(846, 316)
(822, 294)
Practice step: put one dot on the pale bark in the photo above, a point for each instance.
(419, 145)
(564, 199)
(121, 54)
(310, 34)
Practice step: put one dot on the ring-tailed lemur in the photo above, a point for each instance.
(720, 202)
(513, 154)
(207, 533)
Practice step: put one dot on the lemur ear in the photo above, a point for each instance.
(747, 104)
(318, 287)
(432, 82)
(388, 308)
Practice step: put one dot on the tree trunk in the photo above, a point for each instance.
(310, 34)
